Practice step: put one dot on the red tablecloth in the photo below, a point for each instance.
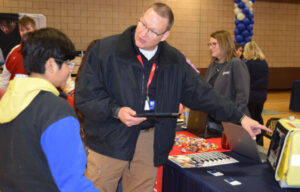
(177, 151)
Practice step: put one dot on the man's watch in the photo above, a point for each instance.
(116, 113)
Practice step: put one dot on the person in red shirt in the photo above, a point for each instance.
(13, 66)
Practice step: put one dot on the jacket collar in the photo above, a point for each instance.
(125, 49)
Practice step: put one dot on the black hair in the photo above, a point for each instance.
(9, 18)
(43, 44)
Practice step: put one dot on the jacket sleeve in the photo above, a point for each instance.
(65, 154)
(197, 94)
(91, 93)
(241, 84)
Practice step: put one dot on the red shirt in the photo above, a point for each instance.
(14, 62)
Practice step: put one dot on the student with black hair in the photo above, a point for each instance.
(40, 144)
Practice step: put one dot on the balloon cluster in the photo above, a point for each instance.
(244, 20)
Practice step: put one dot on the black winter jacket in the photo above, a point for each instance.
(113, 77)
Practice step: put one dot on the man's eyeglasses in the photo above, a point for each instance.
(68, 62)
(149, 31)
(214, 44)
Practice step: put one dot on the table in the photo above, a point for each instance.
(177, 151)
(253, 176)
(295, 96)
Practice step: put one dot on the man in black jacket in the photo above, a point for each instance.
(136, 72)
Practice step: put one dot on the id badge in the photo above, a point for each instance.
(147, 107)
(151, 105)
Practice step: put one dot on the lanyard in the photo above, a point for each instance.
(139, 57)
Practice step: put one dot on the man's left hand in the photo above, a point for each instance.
(253, 127)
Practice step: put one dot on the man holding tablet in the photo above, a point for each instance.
(138, 72)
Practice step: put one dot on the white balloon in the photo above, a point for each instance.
(251, 10)
(248, 4)
(237, 10)
(235, 5)
(240, 16)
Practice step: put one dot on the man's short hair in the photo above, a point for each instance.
(25, 20)
(43, 44)
(165, 11)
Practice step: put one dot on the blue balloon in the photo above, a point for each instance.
(237, 1)
(245, 33)
(246, 11)
(236, 31)
(251, 15)
(251, 21)
(248, 38)
(246, 21)
(236, 22)
(239, 38)
(235, 42)
(251, 33)
(241, 26)
(239, 22)
(241, 5)
(253, 1)
(243, 43)
(250, 27)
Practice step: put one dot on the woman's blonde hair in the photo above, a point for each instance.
(226, 45)
(253, 52)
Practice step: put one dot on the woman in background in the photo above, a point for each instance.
(239, 51)
(259, 72)
(228, 75)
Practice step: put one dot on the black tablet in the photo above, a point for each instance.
(174, 115)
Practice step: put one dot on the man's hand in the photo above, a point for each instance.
(128, 117)
(253, 127)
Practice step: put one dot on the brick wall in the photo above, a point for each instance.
(276, 28)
